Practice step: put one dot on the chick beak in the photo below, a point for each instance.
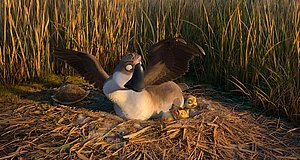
(136, 82)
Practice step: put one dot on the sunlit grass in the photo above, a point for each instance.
(250, 45)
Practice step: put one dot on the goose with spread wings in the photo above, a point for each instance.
(139, 94)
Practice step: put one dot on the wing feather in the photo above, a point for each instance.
(169, 59)
(85, 64)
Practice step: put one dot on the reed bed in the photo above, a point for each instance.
(45, 131)
(253, 46)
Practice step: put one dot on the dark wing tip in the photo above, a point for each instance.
(175, 55)
(86, 64)
(191, 48)
(65, 53)
(200, 49)
(194, 48)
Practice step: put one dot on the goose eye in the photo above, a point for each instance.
(128, 67)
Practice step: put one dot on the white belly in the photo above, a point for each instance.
(132, 105)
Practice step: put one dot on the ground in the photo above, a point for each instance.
(32, 125)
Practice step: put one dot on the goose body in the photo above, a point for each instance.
(147, 103)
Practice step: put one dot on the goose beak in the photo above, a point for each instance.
(136, 83)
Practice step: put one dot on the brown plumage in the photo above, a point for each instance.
(169, 59)
(85, 64)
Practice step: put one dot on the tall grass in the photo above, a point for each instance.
(253, 46)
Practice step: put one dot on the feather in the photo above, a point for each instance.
(85, 64)
(169, 59)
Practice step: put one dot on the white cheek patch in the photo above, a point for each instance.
(121, 79)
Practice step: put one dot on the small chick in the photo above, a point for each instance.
(190, 102)
(191, 105)
(174, 113)
(179, 113)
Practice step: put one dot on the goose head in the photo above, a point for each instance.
(128, 75)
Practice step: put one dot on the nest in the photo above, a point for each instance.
(45, 131)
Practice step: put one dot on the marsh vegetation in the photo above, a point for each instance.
(252, 46)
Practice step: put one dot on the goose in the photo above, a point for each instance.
(137, 93)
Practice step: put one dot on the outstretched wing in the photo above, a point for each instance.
(87, 65)
(169, 59)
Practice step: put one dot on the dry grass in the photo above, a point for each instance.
(44, 131)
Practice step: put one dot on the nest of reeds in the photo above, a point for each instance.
(45, 131)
